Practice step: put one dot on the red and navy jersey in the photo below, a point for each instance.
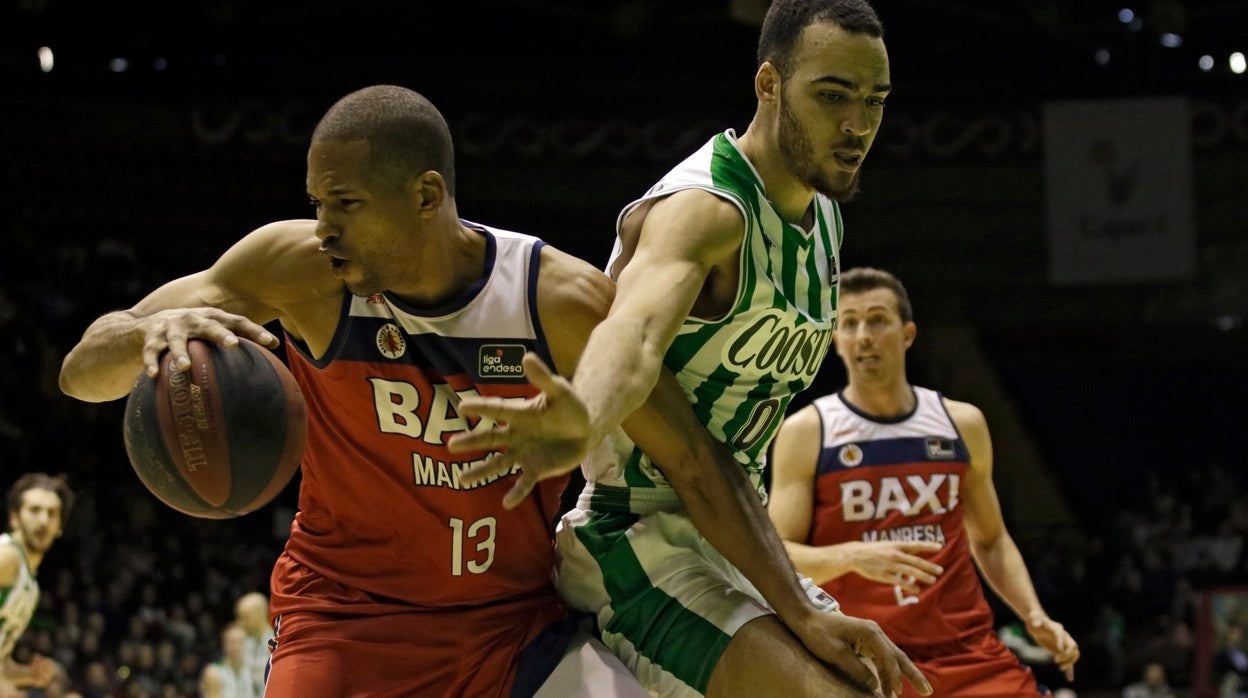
(899, 479)
(382, 510)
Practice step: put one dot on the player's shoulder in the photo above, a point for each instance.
(10, 564)
(804, 418)
(289, 234)
(961, 411)
(708, 210)
(968, 419)
(569, 282)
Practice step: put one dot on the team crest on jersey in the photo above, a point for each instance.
(940, 449)
(501, 361)
(390, 341)
(850, 455)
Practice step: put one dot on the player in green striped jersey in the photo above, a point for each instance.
(38, 505)
(726, 273)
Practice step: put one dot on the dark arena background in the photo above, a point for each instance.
(1060, 183)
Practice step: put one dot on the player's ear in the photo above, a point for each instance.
(430, 192)
(767, 83)
(910, 330)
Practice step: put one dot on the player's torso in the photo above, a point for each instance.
(17, 601)
(382, 508)
(899, 480)
(741, 370)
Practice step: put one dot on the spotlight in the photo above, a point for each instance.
(1171, 40)
(1125, 15)
(1206, 63)
(1102, 56)
(45, 59)
(1237, 63)
(118, 65)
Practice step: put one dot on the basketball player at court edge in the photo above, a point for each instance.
(399, 580)
(883, 493)
(726, 272)
(38, 506)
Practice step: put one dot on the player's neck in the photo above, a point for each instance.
(451, 267)
(884, 400)
(32, 557)
(790, 197)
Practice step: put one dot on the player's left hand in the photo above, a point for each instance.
(1052, 636)
(845, 642)
(546, 435)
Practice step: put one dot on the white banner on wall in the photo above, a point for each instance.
(1118, 179)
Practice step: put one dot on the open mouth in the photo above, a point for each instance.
(849, 161)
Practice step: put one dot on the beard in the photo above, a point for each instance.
(34, 542)
(799, 155)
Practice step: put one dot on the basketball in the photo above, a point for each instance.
(222, 439)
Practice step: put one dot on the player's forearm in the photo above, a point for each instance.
(820, 563)
(617, 372)
(1006, 572)
(106, 361)
(727, 510)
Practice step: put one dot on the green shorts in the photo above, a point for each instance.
(667, 602)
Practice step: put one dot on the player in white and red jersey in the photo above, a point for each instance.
(883, 493)
(398, 580)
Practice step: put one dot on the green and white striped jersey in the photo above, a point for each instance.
(739, 371)
(18, 602)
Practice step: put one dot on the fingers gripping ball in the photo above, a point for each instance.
(222, 439)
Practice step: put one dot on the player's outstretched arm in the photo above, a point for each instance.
(791, 506)
(616, 367)
(721, 501)
(244, 289)
(994, 549)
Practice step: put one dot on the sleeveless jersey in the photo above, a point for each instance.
(899, 479)
(741, 370)
(17, 601)
(381, 506)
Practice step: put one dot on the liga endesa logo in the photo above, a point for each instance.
(501, 361)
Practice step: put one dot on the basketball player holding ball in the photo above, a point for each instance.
(397, 580)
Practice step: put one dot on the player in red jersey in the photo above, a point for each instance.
(397, 580)
(883, 493)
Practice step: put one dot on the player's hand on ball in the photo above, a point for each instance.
(170, 329)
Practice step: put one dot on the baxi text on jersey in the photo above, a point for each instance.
(913, 495)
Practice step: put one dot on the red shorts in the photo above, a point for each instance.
(401, 653)
(984, 668)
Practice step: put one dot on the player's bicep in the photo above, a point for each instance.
(572, 298)
(264, 271)
(982, 509)
(794, 459)
(682, 239)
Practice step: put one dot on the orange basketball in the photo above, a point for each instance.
(222, 439)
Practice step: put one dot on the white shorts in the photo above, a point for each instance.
(667, 602)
